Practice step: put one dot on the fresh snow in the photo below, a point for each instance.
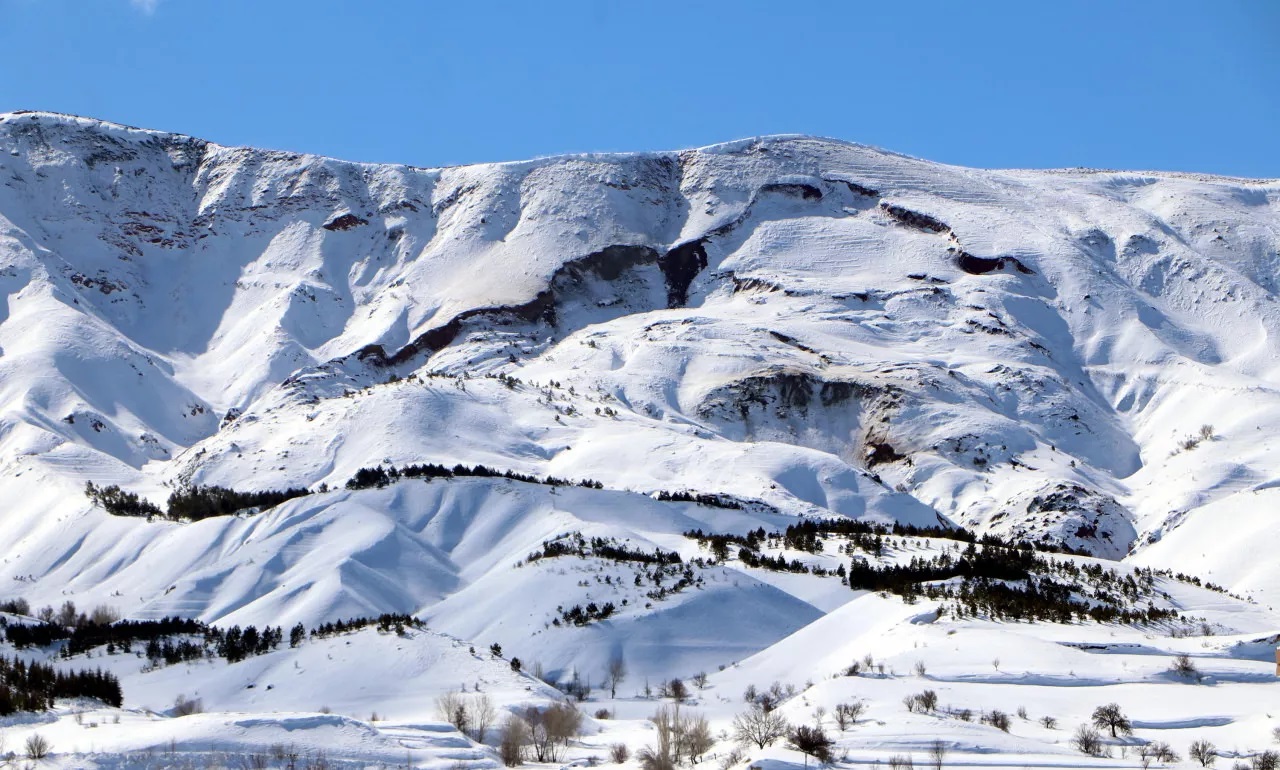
(759, 320)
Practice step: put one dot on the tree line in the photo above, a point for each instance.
(192, 503)
(34, 686)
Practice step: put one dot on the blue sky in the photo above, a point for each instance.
(1113, 83)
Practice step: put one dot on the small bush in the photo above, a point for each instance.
(603, 714)
(619, 753)
(735, 757)
(997, 719)
(1267, 760)
(37, 747)
(901, 762)
(1049, 723)
(1184, 667)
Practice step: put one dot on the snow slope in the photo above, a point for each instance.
(811, 327)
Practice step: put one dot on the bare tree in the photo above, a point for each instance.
(846, 714)
(104, 615)
(482, 718)
(1266, 760)
(1163, 752)
(67, 614)
(452, 708)
(681, 735)
(1087, 740)
(812, 742)
(928, 701)
(937, 753)
(901, 762)
(1110, 717)
(695, 737)
(759, 726)
(512, 739)
(1203, 752)
(700, 680)
(664, 754)
(615, 674)
(37, 747)
(674, 689)
(997, 719)
(551, 729)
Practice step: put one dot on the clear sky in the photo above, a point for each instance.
(1172, 84)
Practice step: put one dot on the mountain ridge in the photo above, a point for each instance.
(868, 333)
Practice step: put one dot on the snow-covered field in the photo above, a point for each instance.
(801, 327)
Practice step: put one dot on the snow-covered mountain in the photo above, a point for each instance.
(798, 327)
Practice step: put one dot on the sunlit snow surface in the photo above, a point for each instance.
(1041, 337)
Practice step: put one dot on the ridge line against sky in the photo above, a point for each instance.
(1163, 86)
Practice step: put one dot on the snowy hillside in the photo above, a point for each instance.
(724, 339)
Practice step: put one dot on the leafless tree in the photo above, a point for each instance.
(674, 689)
(1203, 752)
(759, 726)
(104, 615)
(615, 674)
(812, 742)
(452, 708)
(1163, 752)
(937, 753)
(695, 737)
(482, 716)
(1111, 717)
(846, 714)
(551, 729)
(512, 739)
(1088, 740)
(37, 747)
